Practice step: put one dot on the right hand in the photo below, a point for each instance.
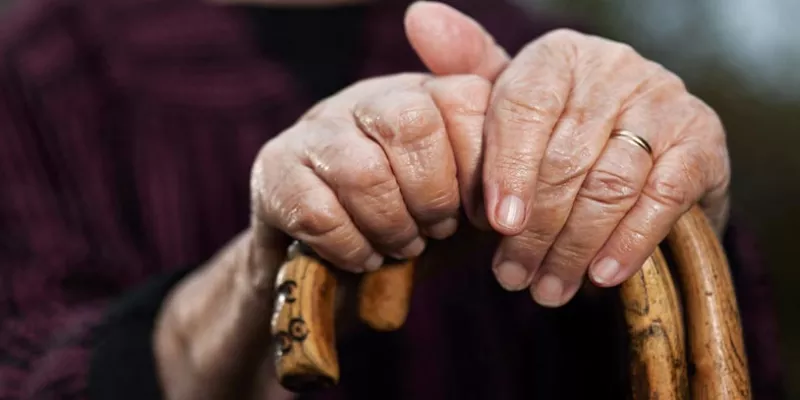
(371, 171)
(375, 169)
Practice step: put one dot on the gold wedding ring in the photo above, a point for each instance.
(632, 138)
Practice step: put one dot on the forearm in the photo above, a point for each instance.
(212, 338)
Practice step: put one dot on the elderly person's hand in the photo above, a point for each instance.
(592, 152)
(369, 172)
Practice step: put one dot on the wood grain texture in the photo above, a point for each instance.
(714, 329)
(303, 324)
(655, 325)
(385, 295)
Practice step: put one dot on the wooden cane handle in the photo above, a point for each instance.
(655, 325)
(716, 343)
(385, 295)
(303, 322)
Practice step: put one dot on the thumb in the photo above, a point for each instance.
(450, 43)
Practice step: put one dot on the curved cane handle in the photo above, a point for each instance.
(303, 321)
(714, 330)
(655, 325)
(303, 324)
(384, 296)
(713, 333)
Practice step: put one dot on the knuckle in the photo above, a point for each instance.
(542, 231)
(375, 85)
(570, 251)
(569, 257)
(519, 105)
(317, 110)
(262, 185)
(609, 188)
(365, 171)
(352, 254)
(632, 237)
(403, 118)
(416, 122)
(623, 50)
(432, 204)
(662, 78)
(443, 202)
(529, 248)
(516, 168)
(706, 118)
(672, 190)
(562, 168)
(379, 189)
(669, 78)
(301, 215)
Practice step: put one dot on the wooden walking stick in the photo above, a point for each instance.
(303, 322)
(662, 349)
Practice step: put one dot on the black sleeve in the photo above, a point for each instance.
(122, 364)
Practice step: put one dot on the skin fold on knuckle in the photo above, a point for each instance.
(568, 261)
(633, 240)
(386, 225)
(564, 167)
(529, 247)
(303, 214)
(561, 44)
(679, 182)
(400, 118)
(515, 169)
(611, 191)
(521, 105)
(441, 204)
(710, 135)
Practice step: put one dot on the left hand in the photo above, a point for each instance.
(567, 195)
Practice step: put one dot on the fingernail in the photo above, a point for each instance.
(374, 262)
(442, 230)
(511, 212)
(511, 275)
(413, 249)
(549, 291)
(605, 270)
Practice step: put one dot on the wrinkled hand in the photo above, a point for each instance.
(371, 171)
(567, 195)
(375, 169)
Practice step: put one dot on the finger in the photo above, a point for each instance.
(431, 27)
(462, 100)
(357, 171)
(609, 191)
(679, 178)
(289, 196)
(407, 124)
(577, 141)
(527, 101)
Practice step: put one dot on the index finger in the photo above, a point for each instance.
(527, 102)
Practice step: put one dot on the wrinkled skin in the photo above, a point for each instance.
(521, 146)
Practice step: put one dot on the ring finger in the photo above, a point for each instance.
(609, 191)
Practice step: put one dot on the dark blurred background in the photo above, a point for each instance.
(743, 58)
